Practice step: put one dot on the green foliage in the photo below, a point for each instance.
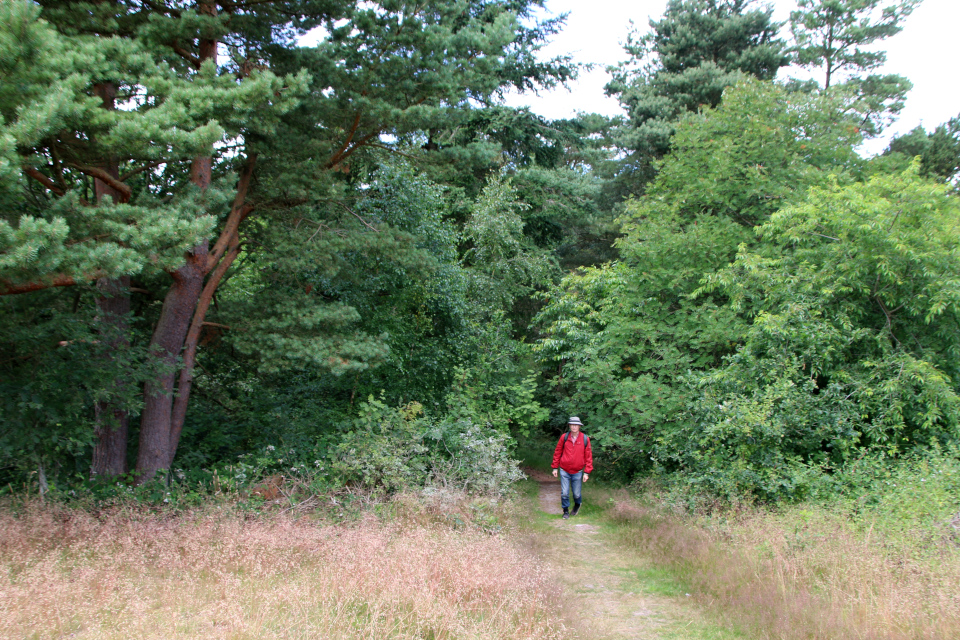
(349, 276)
(914, 501)
(440, 340)
(835, 36)
(623, 336)
(55, 365)
(396, 448)
(853, 302)
(565, 212)
(463, 153)
(755, 153)
(698, 49)
(504, 264)
(478, 459)
(939, 150)
(384, 448)
(54, 75)
(493, 389)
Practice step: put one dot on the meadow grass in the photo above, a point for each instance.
(797, 572)
(210, 574)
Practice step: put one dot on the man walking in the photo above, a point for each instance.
(574, 458)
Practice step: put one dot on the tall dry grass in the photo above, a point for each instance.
(802, 574)
(209, 575)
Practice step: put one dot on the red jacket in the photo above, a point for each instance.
(572, 456)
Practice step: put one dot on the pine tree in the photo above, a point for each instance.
(834, 37)
(224, 117)
(939, 150)
(698, 48)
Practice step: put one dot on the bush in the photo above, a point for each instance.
(477, 459)
(915, 501)
(395, 448)
(851, 351)
(385, 448)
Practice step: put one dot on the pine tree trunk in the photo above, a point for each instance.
(178, 331)
(110, 448)
(113, 307)
(158, 441)
(155, 450)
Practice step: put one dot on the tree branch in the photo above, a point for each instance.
(139, 170)
(356, 145)
(60, 280)
(44, 180)
(357, 216)
(238, 213)
(399, 153)
(186, 55)
(332, 162)
(185, 380)
(107, 178)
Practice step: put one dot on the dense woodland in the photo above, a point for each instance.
(224, 254)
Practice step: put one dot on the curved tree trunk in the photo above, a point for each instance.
(166, 344)
(157, 441)
(178, 331)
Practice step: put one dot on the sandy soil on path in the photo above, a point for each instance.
(609, 592)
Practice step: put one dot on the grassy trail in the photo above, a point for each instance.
(613, 593)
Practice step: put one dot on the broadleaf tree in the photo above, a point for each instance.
(618, 340)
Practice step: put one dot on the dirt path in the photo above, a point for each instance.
(618, 594)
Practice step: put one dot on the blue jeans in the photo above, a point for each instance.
(568, 480)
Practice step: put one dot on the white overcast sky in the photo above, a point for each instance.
(924, 52)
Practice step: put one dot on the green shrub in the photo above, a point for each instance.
(384, 449)
(393, 448)
(914, 501)
(477, 459)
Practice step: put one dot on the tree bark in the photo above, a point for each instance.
(157, 442)
(112, 422)
(185, 381)
(166, 344)
(113, 308)
(178, 331)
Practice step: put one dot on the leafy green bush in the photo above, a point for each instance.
(392, 448)
(914, 501)
(384, 449)
(477, 461)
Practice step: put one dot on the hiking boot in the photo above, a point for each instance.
(566, 515)
(576, 508)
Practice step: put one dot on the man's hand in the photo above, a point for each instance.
(586, 477)
(554, 473)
